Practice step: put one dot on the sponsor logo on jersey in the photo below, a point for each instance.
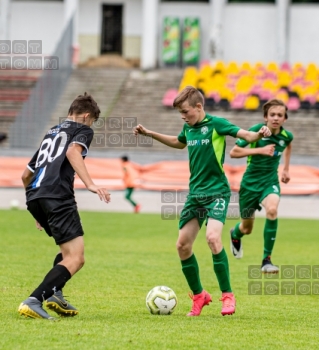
(265, 138)
(204, 130)
(198, 142)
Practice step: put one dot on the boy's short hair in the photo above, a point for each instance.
(272, 103)
(85, 104)
(190, 94)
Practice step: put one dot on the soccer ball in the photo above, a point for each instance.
(161, 300)
(14, 204)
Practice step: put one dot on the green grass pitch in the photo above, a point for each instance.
(126, 256)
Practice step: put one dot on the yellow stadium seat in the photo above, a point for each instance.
(232, 68)
(272, 67)
(246, 66)
(270, 85)
(251, 103)
(282, 95)
(220, 66)
(284, 78)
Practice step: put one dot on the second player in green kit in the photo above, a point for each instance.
(260, 183)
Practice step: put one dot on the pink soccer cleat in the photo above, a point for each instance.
(199, 301)
(229, 303)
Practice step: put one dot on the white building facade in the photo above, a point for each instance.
(231, 31)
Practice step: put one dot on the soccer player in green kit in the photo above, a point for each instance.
(260, 183)
(209, 192)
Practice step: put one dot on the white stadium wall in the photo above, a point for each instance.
(35, 20)
(304, 33)
(249, 33)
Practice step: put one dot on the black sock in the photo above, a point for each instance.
(53, 281)
(58, 259)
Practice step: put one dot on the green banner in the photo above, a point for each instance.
(171, 41)
(191, 42)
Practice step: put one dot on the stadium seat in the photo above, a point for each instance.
(238, 102)
(306, 105)
(282, 95)
(293, 104)
(224, 104)
(210, 102)
(232, 69)
(169, 97)
(285, 67)
(266, 95)
(272, 67)
(290, 83)
(215, 95)
(252, 103)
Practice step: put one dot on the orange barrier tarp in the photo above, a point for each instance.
(166, 175)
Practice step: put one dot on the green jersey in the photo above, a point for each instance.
(206, 148)
(262, 170)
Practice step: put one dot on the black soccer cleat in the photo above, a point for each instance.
(268, 267)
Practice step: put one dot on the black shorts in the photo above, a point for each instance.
(59, 218)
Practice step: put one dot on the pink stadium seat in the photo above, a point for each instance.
(169, 97)
(285, 66)
(256, 90)
(310, 98)
(214, 95)
(265, 95)
(293, 104)
(238, 101)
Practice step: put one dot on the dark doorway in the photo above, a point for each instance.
(111, 38)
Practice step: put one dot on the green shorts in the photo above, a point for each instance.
(203, 208)
(249, 201)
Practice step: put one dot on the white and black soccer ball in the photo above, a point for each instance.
(161, 300)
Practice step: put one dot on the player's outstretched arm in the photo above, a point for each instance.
(252, 136)
(168, 140)
(285, 177)
(74, 155)
(240, 152)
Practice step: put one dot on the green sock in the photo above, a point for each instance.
(221, 269)
(191, 272)
(128, 194)
(270, 231)
(236, 234)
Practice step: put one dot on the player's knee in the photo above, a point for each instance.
(80, 261)
(271, 213)
(246, 230)
(213, 240)
(183, 247)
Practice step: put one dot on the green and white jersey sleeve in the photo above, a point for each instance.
(206, 148)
